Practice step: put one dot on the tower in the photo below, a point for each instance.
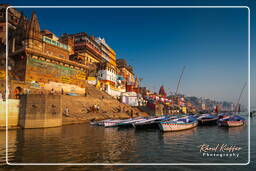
(33, 34)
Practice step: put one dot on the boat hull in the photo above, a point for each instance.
(125, 125)
(165, 126)
(150, 125)
(113, 123)
(208, 121)
(231, 123)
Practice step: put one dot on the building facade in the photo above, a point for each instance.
(41, 62)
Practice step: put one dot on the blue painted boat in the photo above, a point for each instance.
(149, 122)
(231, 121)
(128, 123)
(207, 119)
(183, 123)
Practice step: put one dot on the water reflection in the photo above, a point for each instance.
(178, 136)
(85, 144)
(12, 144)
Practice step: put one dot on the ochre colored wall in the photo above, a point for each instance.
(56, 51)
(13, 112)
(45, 72)
(40, 111)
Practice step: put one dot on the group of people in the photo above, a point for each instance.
(18, 92)
(95, 108)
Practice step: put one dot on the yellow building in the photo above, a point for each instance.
(112, 56)
(184, 109)
(108, 53)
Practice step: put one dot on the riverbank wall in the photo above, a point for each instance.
(13, 113)
(47, 110)
(40, 111)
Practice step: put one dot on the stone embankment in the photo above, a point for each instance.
(48, 110)
(80, 107)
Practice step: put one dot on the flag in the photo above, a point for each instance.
(216, 109)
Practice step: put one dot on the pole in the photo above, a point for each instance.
(180, 79)
(236, 108)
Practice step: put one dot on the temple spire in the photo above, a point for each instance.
(33, 30)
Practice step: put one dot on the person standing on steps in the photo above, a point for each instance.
(52, 91)
(66, 111)
(131, 113)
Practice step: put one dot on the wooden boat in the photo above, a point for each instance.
(111, 123)
(222, 115)
(99, 123)
(128, 123)
(234, 120)
(178, 124)
(207, 119)
(149, 122)
(231, 121)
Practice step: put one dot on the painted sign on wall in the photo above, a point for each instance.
(41, 70)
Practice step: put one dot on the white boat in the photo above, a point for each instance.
(231, 121)
(178, 124)
(111, 123)
(129, 122)
(148, 123)
(101, 123)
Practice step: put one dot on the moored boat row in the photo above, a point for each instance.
(173, 123)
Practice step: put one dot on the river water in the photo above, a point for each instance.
(83, 143)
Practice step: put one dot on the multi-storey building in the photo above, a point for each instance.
(15, 20)
(108, 71)
(107, 52)
(41, 61)
(85, 47)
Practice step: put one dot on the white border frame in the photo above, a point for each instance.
(131, 164)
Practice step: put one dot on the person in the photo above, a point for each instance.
(119, 109)
(52, 91)
(66, 111)
(1, 96)
(98, 108)
(16, 93)
(95, 108)
(131, 113)
(62, 91)
(27, 91)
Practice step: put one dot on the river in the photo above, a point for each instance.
(83, 143)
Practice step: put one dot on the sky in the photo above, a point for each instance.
(211, 43)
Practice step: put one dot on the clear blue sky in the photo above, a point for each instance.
(212, 43)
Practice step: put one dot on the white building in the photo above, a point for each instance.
(130, 98)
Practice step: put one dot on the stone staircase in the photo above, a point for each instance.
(109, 107)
